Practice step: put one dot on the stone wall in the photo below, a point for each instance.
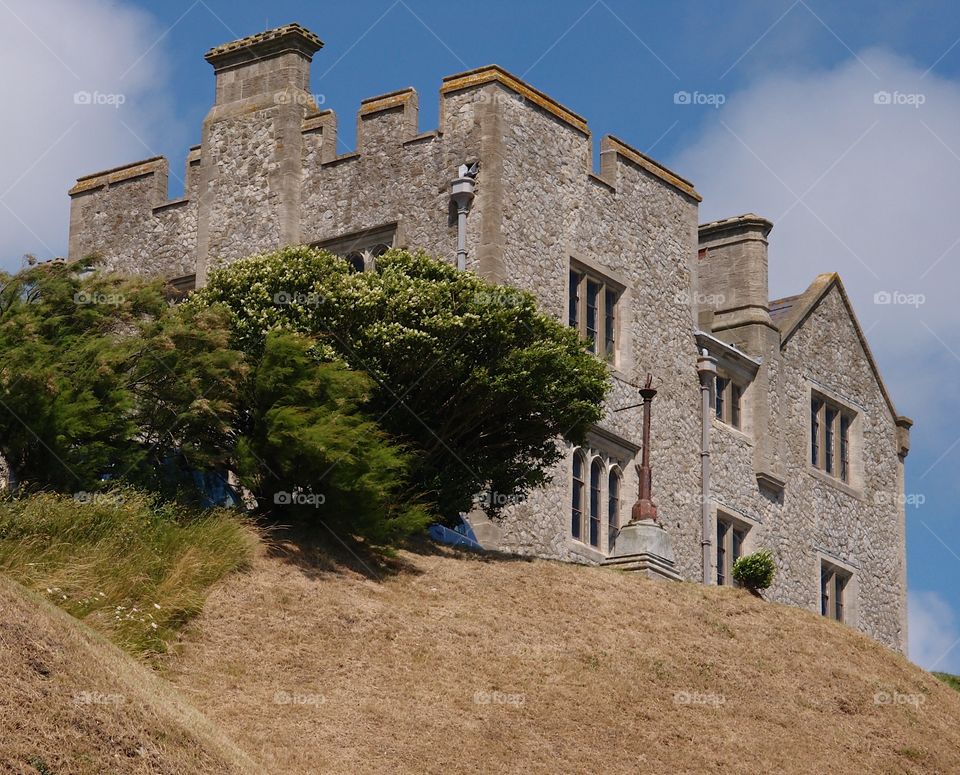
(246, 149)
(639, 230)
(859, 526)
(124, 216)
(862, 525)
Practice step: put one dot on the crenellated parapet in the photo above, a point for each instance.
(268, 170)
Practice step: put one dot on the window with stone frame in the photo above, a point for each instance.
(596, 478)
(830, 437)
(614, 487)
(834, 582)
(729, 401)
(593, 309)
(578, 490)
(361, 249)
(731, 535)
(596, 499)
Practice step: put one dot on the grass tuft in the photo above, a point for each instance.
(128, 565)
(953, 681)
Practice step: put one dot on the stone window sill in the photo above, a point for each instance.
(735, 432)
(586, 552)
(822, 476)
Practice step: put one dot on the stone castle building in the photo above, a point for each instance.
(772, 427)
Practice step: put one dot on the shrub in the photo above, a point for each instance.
(953, 681)
(755, 571)
(128, 565)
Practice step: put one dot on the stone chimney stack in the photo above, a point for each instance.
(264, 63)
(732, 280)
(252, 145)
(732, 271)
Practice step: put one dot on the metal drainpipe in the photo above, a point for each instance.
(462, 193)
(707, 370)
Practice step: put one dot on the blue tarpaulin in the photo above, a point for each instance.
(462, 535)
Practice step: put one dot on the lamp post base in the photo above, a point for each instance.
(644, 547)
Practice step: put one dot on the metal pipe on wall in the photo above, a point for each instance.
(462, 193)
(707, 371)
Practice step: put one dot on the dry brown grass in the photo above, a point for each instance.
(393, 675)
(70, 702)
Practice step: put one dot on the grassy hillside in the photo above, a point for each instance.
(133, 569)
(70, 702)
(454, 664)
(949, 679)
(438, 662)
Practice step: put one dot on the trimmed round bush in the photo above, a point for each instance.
(755, 571)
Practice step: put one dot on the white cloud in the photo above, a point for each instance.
(51, 50)
(933, 631)
(878, 188)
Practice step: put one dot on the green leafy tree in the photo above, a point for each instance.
(472, 377)
(100, 377)
(309, 453)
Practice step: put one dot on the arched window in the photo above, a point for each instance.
(576, 507)
(374, 253)
(613, 507)
(361, 260)
(596, 476)
(356, 261)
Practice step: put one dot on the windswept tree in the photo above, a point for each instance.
(309, 453)
(473, 378)
(100, 378)
(102, 381)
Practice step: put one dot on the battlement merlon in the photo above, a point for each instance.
(123, 215)
(155, 167)
(140, 187)
(496, 74)
(391, 116)
(612, 148)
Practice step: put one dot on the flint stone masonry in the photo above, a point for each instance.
(268, 173)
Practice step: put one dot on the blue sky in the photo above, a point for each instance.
(784, 120)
